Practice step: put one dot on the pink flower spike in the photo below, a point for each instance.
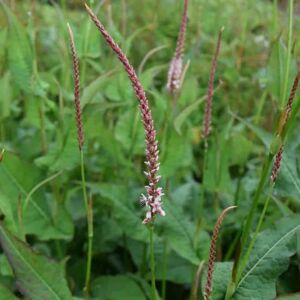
(176, 66)
(210, 90)
(277, 164)
(146, 116)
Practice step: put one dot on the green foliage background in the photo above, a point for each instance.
(37, 131)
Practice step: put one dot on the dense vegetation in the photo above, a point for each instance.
(41, 165)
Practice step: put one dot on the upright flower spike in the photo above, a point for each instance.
(277, 164)
(286, 114)
(2, 154)
(153, 198)
(212, 252)
(75, 62)
(176, 65)
(210, 90)
(283, 121)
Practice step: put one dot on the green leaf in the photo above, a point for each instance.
(130, 133)
(179, 270)
(37, 218)
(123, 210)
(181, 118)
(180, 233)
(6, 294)
(288, 181)
(116, 288)
(221, 279)
(65, 155)
(240, 149)
(37, 277)
(276, 70)
(269, 259)
(178, 154)
(20, 55)
(217, 177)
(5, 87)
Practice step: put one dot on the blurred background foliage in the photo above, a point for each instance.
(37, 130)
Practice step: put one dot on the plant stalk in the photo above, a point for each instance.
(289, 54)
(89, 215)
(152, 262)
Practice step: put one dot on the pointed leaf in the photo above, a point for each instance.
(269, 259)
(37, 277)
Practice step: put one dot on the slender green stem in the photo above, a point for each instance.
(249, 222)
(275, 17)
(83, 181)
(152, 262)
(262, 181)
(258, 227)
(43, 128)
(202, 196)
(165, 266)
(289, 53)
(89, 214)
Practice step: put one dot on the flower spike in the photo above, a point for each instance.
(176, 66)
(154, 193)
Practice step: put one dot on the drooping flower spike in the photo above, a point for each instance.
(153, 198)
(175, 73)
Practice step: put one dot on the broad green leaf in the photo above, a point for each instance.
(6, 97)
(179, 270)
(240, 149)
(265, 137)
(116, 288)
(64, 155)
(288, 181)
(123, 210)
(3, 42)
(108, 233)
(90, 92)
(130, 133)
(221, 278)
(182, 117)
(6, 294)
(217, 177)
(37, 277)
(268, 260)
(180, 234)
(177, 154)
(20, 55)
(276, 70)
(38, 218)
(289, 297)
(5, 268)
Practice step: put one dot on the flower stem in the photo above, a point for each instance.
(89, 215)
(258, 227)
(152, 262)
(165, 266)
(289, 53)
